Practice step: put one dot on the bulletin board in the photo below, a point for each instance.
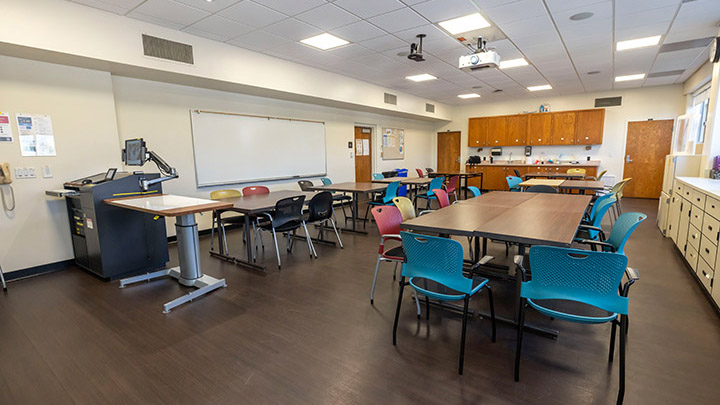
(393, 144)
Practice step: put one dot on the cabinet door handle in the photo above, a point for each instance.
(707, 250)
(707, 276)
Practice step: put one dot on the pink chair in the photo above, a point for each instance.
(452, 186)
(442, 197)
(253, 190)
(420, 173)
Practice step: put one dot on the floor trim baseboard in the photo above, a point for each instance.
(38, 270)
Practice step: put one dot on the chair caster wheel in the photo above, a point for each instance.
(418, 316)
(372, 302)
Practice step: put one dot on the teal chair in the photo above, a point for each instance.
(513, 183)
(475, 191)
(377, 176)
(326, 181)
(341, 197)
(431, 260)
(435, 183)
(577, 276)
(619, 235)
(391, 191)
(591, 229)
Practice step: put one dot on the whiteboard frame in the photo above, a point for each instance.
(267, 179)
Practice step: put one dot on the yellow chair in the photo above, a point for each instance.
(407, 210)
(617, 190)
(217, 219)
(599, 176)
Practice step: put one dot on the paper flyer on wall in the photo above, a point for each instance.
(366, 147)
(36, 135)
(5, 128)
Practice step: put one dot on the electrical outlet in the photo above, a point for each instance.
(25, 173)
(31, 172)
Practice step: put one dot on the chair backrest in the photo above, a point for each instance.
(405, 206)
(377, 176)
(305, 185)
(513, 182)
(577, 275)
(420, 173)
(429, 170)
(287, 210)
(452, 184)
(542, 188)
(601, 208)
(391, 191)
(576, 170)
(435, 183)
(599, 203)
(388, 219)
(600, 176)
(621, 187)
(252, 190)
(517, 173)
(442, 197)
(623, 228)
(475, 191)
(214, 195)
(320, 206)
(437, 259)
(326, 181)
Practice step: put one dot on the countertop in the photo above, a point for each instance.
(583, 163)
(708, 186)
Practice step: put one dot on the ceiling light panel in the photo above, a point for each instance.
(539, 88)
(628, 78)
(638, 43)
(511, 63)
(421, 78)
(466, 23)
(325, 41)
(469, 95)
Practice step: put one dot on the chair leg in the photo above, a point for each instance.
(277, 249)
(372, 289)
(470, 249)
(337, 234)
(520, 326)
(367, 211)
(427, 307)
(311, 247)
(613, 331)
(462, 336)
(212, 230)
(492, 311)
(395, 271)
(623, 342)
(222, 226)
(397, 310)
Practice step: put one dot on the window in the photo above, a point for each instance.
(699, 110)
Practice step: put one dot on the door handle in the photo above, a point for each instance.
(627, 159)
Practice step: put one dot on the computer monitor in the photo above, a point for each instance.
(135, 152)
(110, 175)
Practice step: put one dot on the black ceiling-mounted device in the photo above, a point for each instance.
(416, 50)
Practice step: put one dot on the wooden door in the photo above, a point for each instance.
(648, 142)
(497, 131)
(448, 151)
(477, 132)
(590, 126)
(563, 128)
(539, 127)
(363, 158)
(494, 178)
(517, 130)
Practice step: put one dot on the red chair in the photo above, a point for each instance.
(452, 186)
(442, 197)
(420, 173)
(253, 190)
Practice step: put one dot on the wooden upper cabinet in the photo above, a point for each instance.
(497, 131)
(538, 129)
(517, 130)
(563, 128)
(590, 125)
(477, 132)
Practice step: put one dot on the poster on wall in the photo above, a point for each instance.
(393, 144)
(36, 135)
(5, 128)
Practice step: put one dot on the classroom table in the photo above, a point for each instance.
(184, 210)
(582, 185)
(526, 219)
(462, 174)
(356, 189)
(542, 182)
(551, 175)
(252, 205)
(414, 182)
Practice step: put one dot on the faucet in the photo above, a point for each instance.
(510, 161)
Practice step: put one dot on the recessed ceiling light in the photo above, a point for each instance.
(511, 63)
(638, 43)
(421, 78)
(464, 24)
(538, 88)
(581, 16)
(469, 95)
(638, 76)
(325, 41)
(593, 72)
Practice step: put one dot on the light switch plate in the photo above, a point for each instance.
(47, 172)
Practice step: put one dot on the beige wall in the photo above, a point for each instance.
(662, 102)
(82, 108)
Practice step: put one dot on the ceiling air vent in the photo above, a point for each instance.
(390, 99)
(608, 102)
(665, 73)
(429, 107)
(166, 49)
(689, 44)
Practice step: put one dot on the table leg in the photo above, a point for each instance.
(355, 218)
(248, 246)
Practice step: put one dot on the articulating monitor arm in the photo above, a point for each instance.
(168, 172)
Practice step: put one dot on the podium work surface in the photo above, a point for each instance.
(184, 210)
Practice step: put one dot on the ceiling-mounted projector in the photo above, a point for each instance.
(416, 50)
(481, 58)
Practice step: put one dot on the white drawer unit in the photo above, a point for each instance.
(698, 199)
(677, 188)
(708, 251)
(691, 255)
(693, 237)
(711, 228)
(687, 192)
(705, 273)
(696, 217)
(712, 207)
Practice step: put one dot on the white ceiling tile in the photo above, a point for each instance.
(383, 43)
(647, 17)
(601, 11)
(369, 8)
(695, 33)
(258, 40)
(559, 6)
(204, 34)
(295, 50)
(351, 51)
(209, 6)
(359, 31)
(641, 31)
(252, 14)
(154, 20)
(441, 10)
(516, 11)
(114, 6)
(678, 60)
(660, 81)
(171, 11)
(640, 6)
(398, 20)
(327, 17)
(293, 29)
(219, 26)
(431, 32)
(291, 7)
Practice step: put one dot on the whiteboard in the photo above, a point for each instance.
(232, 148)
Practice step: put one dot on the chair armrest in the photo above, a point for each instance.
(518, 260)
(633, 275)
(593, 228)
(424, 212)
(383, 238)
(597, 243)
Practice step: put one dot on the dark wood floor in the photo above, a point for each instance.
(308, 334)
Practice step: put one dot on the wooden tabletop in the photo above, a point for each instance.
(528, 218)
(167, 205)
(257, 203)
(542, 182)
(556, 174)
(583, 184)
(352, 187)
(455, 173)
(404, 180)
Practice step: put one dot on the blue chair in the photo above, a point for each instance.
(402, 191)
(513, 183)
(435, 183)
(341, 197)
(580, 276)
(377, 176)
(326, 181)
(592, 229)
(440, 261)
(619, 235)
(475, 191)
(391, 191)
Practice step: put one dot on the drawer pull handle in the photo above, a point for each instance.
(707, 276)
(707, 250)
